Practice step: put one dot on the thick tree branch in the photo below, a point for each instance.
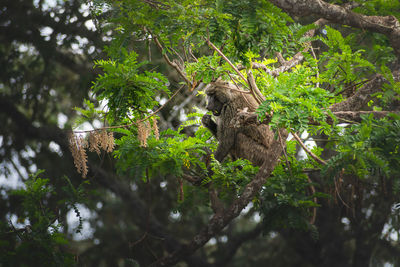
(245, 118)
(387, 25)
(287, 65)
(254, 87)
(220, 220)
(296, 59)
(355, 116)
(362, 96)
(216, 204)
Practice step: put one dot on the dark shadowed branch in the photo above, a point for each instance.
(220, 220)
(109, 181)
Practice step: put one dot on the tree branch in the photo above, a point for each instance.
(287, 65)
(355, 116)
(135, 122)
(216, 204)
(361, 97)
(387, 25)
(169, 62)
(50, 133)
(245, 118)
(315, 157)
(220, 220)
(254, 86)
(210, 44)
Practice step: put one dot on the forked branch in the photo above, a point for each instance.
(252, 88)
(168, 60)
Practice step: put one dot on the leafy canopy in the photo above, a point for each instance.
(248, 32)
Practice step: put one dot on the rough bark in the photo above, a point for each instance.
(220, 220)
(387, 25)
(362, 96)
(355, 116)
(248, 118)
(296, 59)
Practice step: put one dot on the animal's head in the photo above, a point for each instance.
(217, 97)
(220, 94)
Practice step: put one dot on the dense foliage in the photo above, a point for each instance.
(151, 187)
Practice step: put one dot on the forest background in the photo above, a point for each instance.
(104, 161)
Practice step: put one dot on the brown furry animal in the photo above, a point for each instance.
(250, 142)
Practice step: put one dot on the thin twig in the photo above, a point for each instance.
(233, 89)
(149, 50)
(315, 57)
(169, 62)
(315, 157)
(312, 221)
(191, 53)
(234, 82)
(156, 4)
(185, 54)
(285, 154)
(338, 194)
(215, 202)
(17, 169)
(136, 122)
(180, 57)
(131, 245)
(253, 91)
(227, 60)
(253, 88)
(238, 89)
(15, 230)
